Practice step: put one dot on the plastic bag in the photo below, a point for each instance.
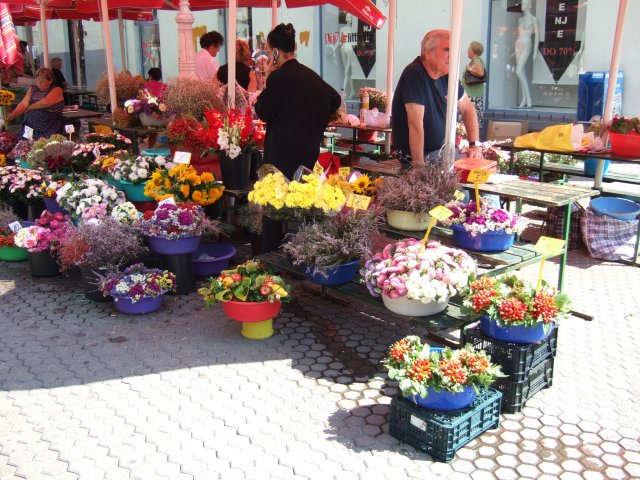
(608, 238)
(559, 138)
(374, 118)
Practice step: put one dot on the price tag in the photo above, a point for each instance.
(96, 152)
(440, 212)
(432, 223)
(69, 128)
(478, 175)
(182, 157)
(168, 200)
(458, 195)
(549, 247)
(354, 176)
(28, 133)
(344, 171)
(15, 226)
(317, 169)
(358, 202)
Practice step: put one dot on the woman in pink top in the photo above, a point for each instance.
(154, 85)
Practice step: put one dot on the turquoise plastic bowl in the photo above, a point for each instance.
(615, 207)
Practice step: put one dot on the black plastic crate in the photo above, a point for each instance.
(516, 359)
(440, 433)
(516, 394)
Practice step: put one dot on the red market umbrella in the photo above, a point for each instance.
(9, 54)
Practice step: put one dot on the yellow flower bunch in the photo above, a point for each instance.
(364, 186)
(275, 191)
(3, 160)
(184, 184)
(340, 182)
(6, 97)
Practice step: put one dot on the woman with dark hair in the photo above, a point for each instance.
(42, 106)
(154, 84)
(296, 105)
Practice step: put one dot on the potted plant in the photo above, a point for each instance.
(493, 229)
(409, 198)
(331, 249)
(8, 250)
(417, 281)
(78, 195)
(184, 184)
(52, 154)
(176, 228)
(126, 213)
(437, 378)
(95, 246)
(624, 135)
(20, 185)
(137, 290)
(512, 310)
(133, 172)
(42, 241)
(150, 109)
(249, 294)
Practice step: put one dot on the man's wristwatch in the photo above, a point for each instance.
(474, 144)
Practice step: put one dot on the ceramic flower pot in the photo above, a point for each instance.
(236, 172)
(43, 264)
(256, 317)
(407, 220)
(343, 273)
(491, 241)
(13, 254)
(135, 193)
(141, 307)
(411, 307)
(148, 120)
(444, 400)
(211, 258)
(516, 334)
(90, 284)
(166, 246)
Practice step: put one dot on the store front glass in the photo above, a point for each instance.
(149, 45)
(535, 53)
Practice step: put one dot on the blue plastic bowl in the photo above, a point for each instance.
(221, 253)
(615, 207)
(156, 152)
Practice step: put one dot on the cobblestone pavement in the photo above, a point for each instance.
(87, 393)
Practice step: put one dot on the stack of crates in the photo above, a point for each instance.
(442, 433)
(529, 366)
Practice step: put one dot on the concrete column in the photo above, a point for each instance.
(184, 19)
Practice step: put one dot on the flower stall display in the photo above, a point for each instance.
(176, 228)
(512, 310)
(437, 378)
(308, 198)
(9, 252)
(78, 195)
(249, 294)
(493, 229)
(20, 151)
(20, 184)
(150, 109)
(417, 281)
(119, 142)
(42, 241)
(84, 155)
(409, 198)
(7, 141)
(137, 290)
(125, 213)
(330, 250)
(624, 135)
(48, 188)
(184, 184)
(53, 154)
(133, 171)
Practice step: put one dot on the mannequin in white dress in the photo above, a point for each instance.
(347, 42)
(527, 25)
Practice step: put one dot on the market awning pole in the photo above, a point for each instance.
(121, 31)
(108, 48)
(274, 13)
(390, 42)
(613, 78)
(231, 52)
(76, 48)
(43, 34)
(454, 73)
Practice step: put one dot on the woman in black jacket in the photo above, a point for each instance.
(296, 105)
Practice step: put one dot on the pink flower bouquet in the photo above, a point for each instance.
(50, 228)
(490, 218)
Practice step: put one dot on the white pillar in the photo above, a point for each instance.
(391, 25)
(43, 34)
(274, 13)
(108, 48)
(454, 73)
(123, 53)
(231, 52)
(184, 19)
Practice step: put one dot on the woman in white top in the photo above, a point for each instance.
(527, 25)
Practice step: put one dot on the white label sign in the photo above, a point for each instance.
(168, 200)
(96, 152)
(182, 157)
(63, 189)
(28, 133)
(69, 128)
(15, 226)
(418, 423)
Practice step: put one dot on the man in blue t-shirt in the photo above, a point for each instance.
(419, 109)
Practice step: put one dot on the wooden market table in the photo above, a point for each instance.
(385, 144)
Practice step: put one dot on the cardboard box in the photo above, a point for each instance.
(506, 130)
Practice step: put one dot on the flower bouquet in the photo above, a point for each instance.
(85, 154)
(21, 150)
(8, 250)
(42, 241)
(409, 198)
(512, 310)
(78, 195)
(186, 132)
(136, 169)
(6, 97)
(184, 184)
(138, 290)
(377, 98)
(20, 184)
(7, 141)
(176, 228)
(308, 198)
(145, 103)
(436, 378)
(53, 154)
(331, 249)
(120, 142)
(249, 294)
(492, 229)
(125, 213)
(417, 281)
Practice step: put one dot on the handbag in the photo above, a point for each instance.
(471, 79)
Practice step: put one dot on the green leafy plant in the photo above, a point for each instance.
(624, 125)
